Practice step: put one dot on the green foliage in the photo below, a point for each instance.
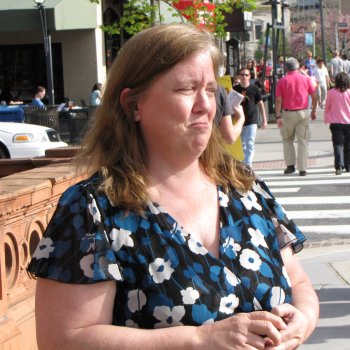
(142, 14)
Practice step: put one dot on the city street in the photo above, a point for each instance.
(320, 202)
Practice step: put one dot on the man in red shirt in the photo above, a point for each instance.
(292, 92)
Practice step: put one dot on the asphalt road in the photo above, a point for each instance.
(320, 202)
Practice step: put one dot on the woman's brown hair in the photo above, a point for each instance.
(342, 81)
(114, 144)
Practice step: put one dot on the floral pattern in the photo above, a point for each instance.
(164, 276)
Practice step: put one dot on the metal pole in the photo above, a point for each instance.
(274, 52)
(313, 42)
(48, 56)
(283, 36)
(324, 55)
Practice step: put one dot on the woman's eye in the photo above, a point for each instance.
(185, 90)
(211, 91)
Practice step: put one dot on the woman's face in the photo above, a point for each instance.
(177, 111)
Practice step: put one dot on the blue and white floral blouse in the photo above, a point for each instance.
(164, 276)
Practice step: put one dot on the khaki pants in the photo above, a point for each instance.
(296, 124)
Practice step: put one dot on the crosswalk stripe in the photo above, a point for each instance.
(306, 182)
(310, 171)
(303, 208)
(326, 229)
(286, 190)
(309, 177)
(319, 214)
(313, 200)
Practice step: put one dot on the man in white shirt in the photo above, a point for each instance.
(322, 79)
(337, 65)
(346, 64)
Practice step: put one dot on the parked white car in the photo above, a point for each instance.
(20, 140)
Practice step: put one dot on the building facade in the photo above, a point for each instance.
(77, 48)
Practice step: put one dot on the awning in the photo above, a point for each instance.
(22, 15)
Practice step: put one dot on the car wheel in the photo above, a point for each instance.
(3, 154)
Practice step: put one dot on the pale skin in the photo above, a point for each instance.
(80, 316)
(230, 132)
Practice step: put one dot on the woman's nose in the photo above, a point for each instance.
(204, 101)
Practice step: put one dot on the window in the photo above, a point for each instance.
(23, 68)
(258, 31)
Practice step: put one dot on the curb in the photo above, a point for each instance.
(327, 243)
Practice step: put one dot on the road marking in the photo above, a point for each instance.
(311, 177)
(326, 229)
(319, 214)
(310, 171)
(308, 182)
(313, 200)
(285, 190)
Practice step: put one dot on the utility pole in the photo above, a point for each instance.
(324, 55)
(47, 51)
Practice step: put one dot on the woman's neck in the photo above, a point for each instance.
(176, 180)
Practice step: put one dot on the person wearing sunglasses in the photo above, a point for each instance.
(252, 104)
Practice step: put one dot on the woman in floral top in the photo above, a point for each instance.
(171, 243)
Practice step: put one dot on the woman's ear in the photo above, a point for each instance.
(124, 102)
(123, 99)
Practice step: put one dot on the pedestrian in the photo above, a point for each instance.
(346, 64)
(310, 64)
(252, 103)
(337, 114)
(268, 70)
(251, 65)
(96, 95)
(292, 92)
(39, 94)
(170, 243)
(337, 65)
(322, 80)
(225, 112)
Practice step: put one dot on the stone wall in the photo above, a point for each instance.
(27, 202)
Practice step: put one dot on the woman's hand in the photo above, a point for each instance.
(242, 331)
(297, 325)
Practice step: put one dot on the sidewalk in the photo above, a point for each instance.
(329, 271)
(326, 263)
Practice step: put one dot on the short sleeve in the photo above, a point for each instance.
(258, 97)
(75, 247)
(287, 231)
(278, 89)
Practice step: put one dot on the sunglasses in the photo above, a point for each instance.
(245, 75)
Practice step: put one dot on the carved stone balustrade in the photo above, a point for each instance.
(27, 202)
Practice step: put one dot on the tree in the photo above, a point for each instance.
(141, 14)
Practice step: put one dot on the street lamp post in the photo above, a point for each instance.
(47, 51)
(313, 27)
(324, 55)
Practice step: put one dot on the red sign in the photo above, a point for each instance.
(343, 27)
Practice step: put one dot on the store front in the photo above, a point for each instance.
(77, 48)
(21, 71)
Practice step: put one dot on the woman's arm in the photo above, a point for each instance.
(230, 132)
(301, 317)
(73, 316)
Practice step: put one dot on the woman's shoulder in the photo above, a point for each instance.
(81, 189)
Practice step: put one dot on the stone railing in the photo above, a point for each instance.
(27, 202)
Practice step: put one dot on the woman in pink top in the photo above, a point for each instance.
(337, 114)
